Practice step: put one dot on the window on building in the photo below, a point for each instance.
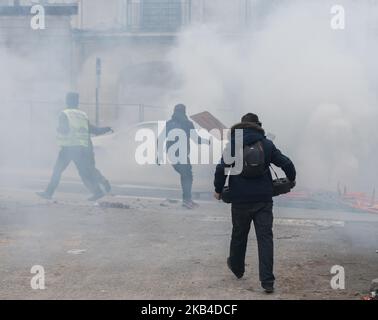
(161, 15)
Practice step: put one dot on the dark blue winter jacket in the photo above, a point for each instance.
(259, 189)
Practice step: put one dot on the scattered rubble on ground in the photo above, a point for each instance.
(114, 205)
(322, 200)
(373, 295)
(76, 251)
(172, 200)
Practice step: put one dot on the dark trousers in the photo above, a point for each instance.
(186, 177)
(81, 156)
(100, 179)
(262, 216)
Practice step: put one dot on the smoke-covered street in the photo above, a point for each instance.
(155, 249)
(199, 150)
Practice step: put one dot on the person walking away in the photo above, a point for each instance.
(251, 199)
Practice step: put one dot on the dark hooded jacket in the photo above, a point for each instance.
(179, 120)
(259, 189)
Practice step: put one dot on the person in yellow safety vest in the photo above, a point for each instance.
(74, 139)
(78, 131)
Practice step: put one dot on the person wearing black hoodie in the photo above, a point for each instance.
(252, 200)
(179, 120)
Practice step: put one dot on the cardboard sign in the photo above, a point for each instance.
(207, 121)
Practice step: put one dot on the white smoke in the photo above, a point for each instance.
(313, 86)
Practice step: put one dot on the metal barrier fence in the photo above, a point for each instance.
(125, 113)
(28, 128)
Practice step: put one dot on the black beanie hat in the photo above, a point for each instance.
(251, 117)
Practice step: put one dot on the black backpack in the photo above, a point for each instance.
(253, 160)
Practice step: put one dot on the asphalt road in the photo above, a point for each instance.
(156, 250)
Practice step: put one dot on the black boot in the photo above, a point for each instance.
(44, 195)
(97, 196)
(268, 286)
(239, 274)
(107, 186)
(189, 204)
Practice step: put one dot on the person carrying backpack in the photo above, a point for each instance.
(251, 194)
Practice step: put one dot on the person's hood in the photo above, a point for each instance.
(252, 132)
(180, 116)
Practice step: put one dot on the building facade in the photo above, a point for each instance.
(132, 38)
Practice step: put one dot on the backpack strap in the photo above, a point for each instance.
(275, 173)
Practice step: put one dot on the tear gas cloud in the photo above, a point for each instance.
(312, 86)
(34, 77)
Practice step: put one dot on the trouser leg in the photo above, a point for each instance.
(187, 182)
(186, 178)
(101, 179)
(97, 175)
(61, 164)
(241, 223)
(86, 170)
(263, 221)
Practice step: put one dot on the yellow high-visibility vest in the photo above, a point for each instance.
(78, 134)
